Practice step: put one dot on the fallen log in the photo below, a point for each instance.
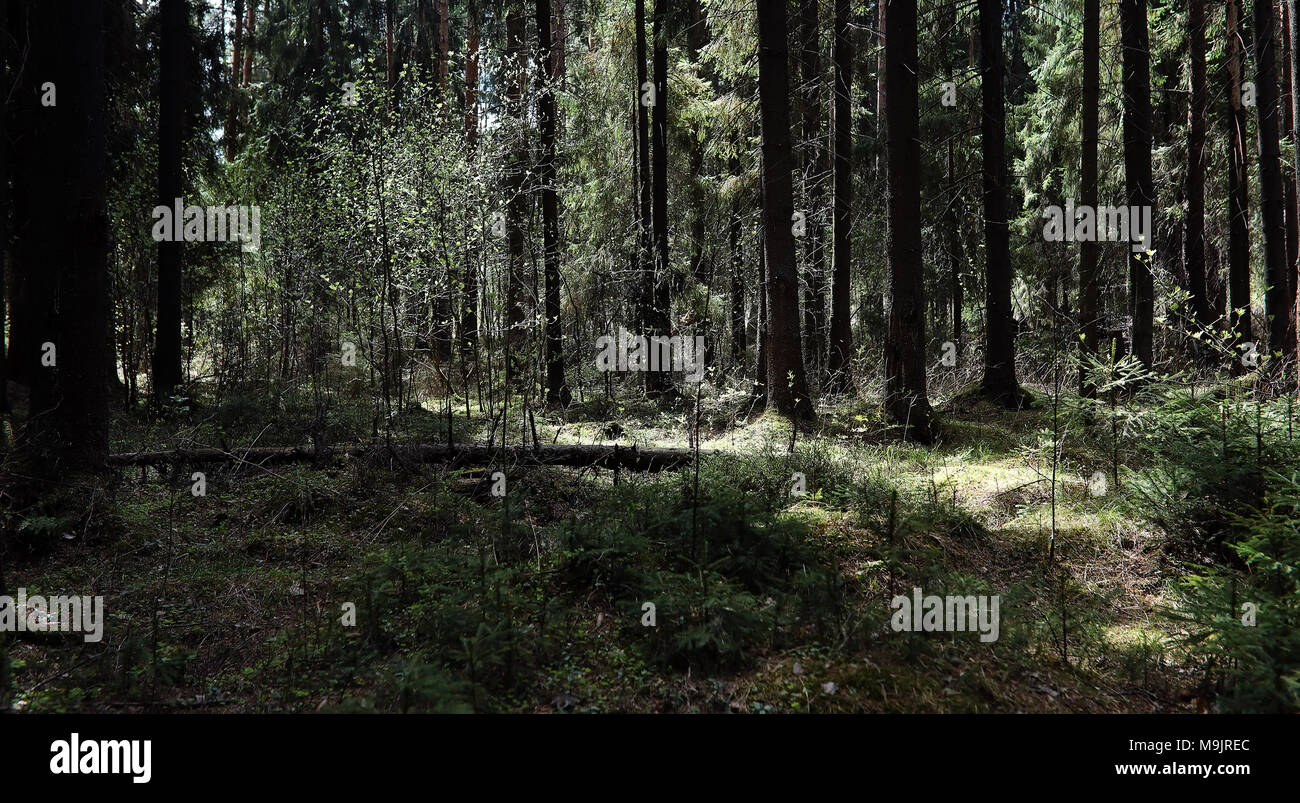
(630, 457)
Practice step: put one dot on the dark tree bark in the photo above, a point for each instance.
(560, 36)
(1137, 166)
(840, 349)
(67, 431)
(469, 311)
(761, 339)
(1292, 206)
(1294, 51)
(905, 392)
(657, 382)
(557, 390)
(696, 39)
(390, 51)
(1089, 292)
(815, 168)
(787, 387)
(85, 314)
(956, 252)
(1271, 200)
(29, 290)
(882, 19)
(952, 210)
(174, 54)
(735, 227)
(236, 73)
(4, 287)
(1238, 187)
(645, 239)
(444, 42)
(248, 41)
(999, 382)
(515, 78)
(1194, 186)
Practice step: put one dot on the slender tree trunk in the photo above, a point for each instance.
(956, 253)
(444, 42)
(557, 390)
(840, 350)
(560, 37)
(696, 39)
(1294, 51)
(236, 72)
(905, 391)
(882, 18)
(657, 382)
(1137, 167)
(787, 387)
(644, 96)
(515, 77)
(390, 54)
(4, 293)
(173, 56)
(1288, 169)
(469, 312)
(761, 338)
(248, 41)
(999, 381)
(738, 344)
(815, 168)
(1238, 187)
(1271, 198)
(1194, 235)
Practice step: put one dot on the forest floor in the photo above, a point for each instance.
(766, 600)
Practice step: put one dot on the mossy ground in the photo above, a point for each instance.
(234, 601)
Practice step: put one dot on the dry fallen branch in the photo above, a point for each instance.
(628, 457)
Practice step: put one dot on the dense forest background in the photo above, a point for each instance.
(385, 398)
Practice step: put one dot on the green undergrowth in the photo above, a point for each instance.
(756, 580)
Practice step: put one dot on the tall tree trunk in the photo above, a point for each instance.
(1194, 235)
(1238, 187)
(515, 77)
(735, 227)
(390, 53)
(999, 381)
(32, 193)
(761, 338)
(645, 239)
(248, 41)
(787, 387)
(696, 39)
(1292, 209)
(956, 252)
(469, 311)
(6, 685)
(657, 382)
(444, 41)
(1137, 166)
(1294, 51)
(236, 72)
(882, 19)
(815, 168)
(557, 391)
(68, 427)
(840, 349)
(4, 289)
(1271, 200)
(173, 56)
(560, 36)
(905, 392)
